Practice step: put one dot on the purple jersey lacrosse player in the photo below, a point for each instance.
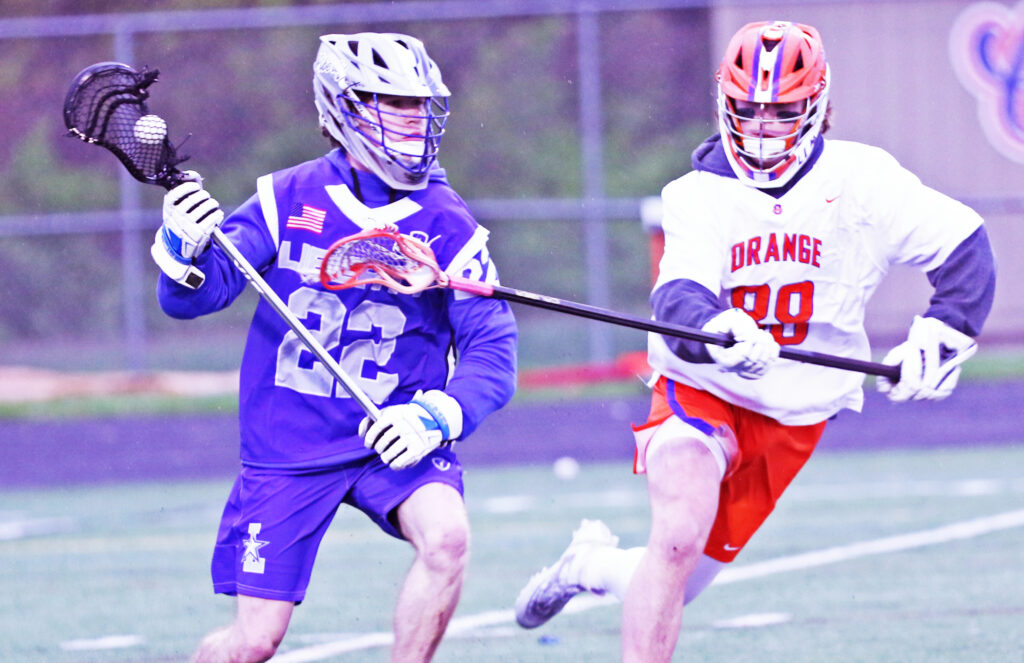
(436, 363)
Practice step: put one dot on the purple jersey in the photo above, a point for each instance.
(292, 412)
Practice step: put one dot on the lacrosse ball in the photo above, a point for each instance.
(150, 129)
(566, 468)
(421, 278)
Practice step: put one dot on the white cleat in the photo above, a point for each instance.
(548, 590)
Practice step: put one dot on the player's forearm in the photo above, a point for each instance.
(965, 285)
(483, 389)
(485, 377)
(247, 232)
(685, 302)
(223, 283)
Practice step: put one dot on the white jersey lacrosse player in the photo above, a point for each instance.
(777, 237)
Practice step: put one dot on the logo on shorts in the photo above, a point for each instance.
(251, 560)
(442, 464)
(730, 547)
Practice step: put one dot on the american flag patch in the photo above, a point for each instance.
(306, 218)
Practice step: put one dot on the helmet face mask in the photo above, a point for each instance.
(766, 137)
(772, 100)
(408, 133)
(381, 97)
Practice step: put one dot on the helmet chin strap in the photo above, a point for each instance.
(770, 148)
(409, 148)
(763, 152)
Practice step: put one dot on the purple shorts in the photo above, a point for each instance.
(274, 520)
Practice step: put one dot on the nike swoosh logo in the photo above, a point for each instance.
(829, 200)
(731, 547)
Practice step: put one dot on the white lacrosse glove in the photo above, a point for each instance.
(755, 349)
(404, 434)
(190, 217)
(929, 361)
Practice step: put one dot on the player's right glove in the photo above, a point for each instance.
(405, 433)
(929, 361)
(754, 351)
(190, 216)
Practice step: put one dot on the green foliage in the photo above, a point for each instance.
(32, 304)
(120, 406)
(513, 129)
(36, 179)
(657, 96)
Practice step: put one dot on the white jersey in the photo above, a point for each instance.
(804, 265)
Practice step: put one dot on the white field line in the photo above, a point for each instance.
(966, 529)
(106, 642)
(509, 504)
(21, 529)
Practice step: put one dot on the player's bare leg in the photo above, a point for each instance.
(259, 627)
(434, 520)
(683, 485)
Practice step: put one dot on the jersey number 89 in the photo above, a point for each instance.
(794, 305)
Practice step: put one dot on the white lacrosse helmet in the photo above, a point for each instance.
(350, 72)
(772, 62)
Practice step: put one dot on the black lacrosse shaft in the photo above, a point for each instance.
(668, 329)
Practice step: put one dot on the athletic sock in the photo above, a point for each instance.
(606, 569)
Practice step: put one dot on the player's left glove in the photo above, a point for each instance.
(406, 433)
(929, 361)
(190, 217)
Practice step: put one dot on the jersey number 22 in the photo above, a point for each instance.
(298, 370)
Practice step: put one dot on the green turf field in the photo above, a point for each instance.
(926, 564)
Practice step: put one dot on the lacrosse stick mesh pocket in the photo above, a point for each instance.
(381, 256)
(104, 105)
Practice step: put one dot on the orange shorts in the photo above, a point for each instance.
(768, 456)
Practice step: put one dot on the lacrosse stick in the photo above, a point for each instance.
(402, 263)
(106, 106)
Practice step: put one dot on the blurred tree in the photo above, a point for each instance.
(36, 180)
(657, 93)
(513, 131)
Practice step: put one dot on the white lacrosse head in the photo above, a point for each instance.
(349, 75)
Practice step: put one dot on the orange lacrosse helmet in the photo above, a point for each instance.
(772, 62)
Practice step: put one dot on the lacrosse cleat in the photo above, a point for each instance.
(550, 589)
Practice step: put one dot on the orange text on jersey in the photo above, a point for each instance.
(792, 248)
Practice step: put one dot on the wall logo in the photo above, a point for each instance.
(251, 560)
(986, 47)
